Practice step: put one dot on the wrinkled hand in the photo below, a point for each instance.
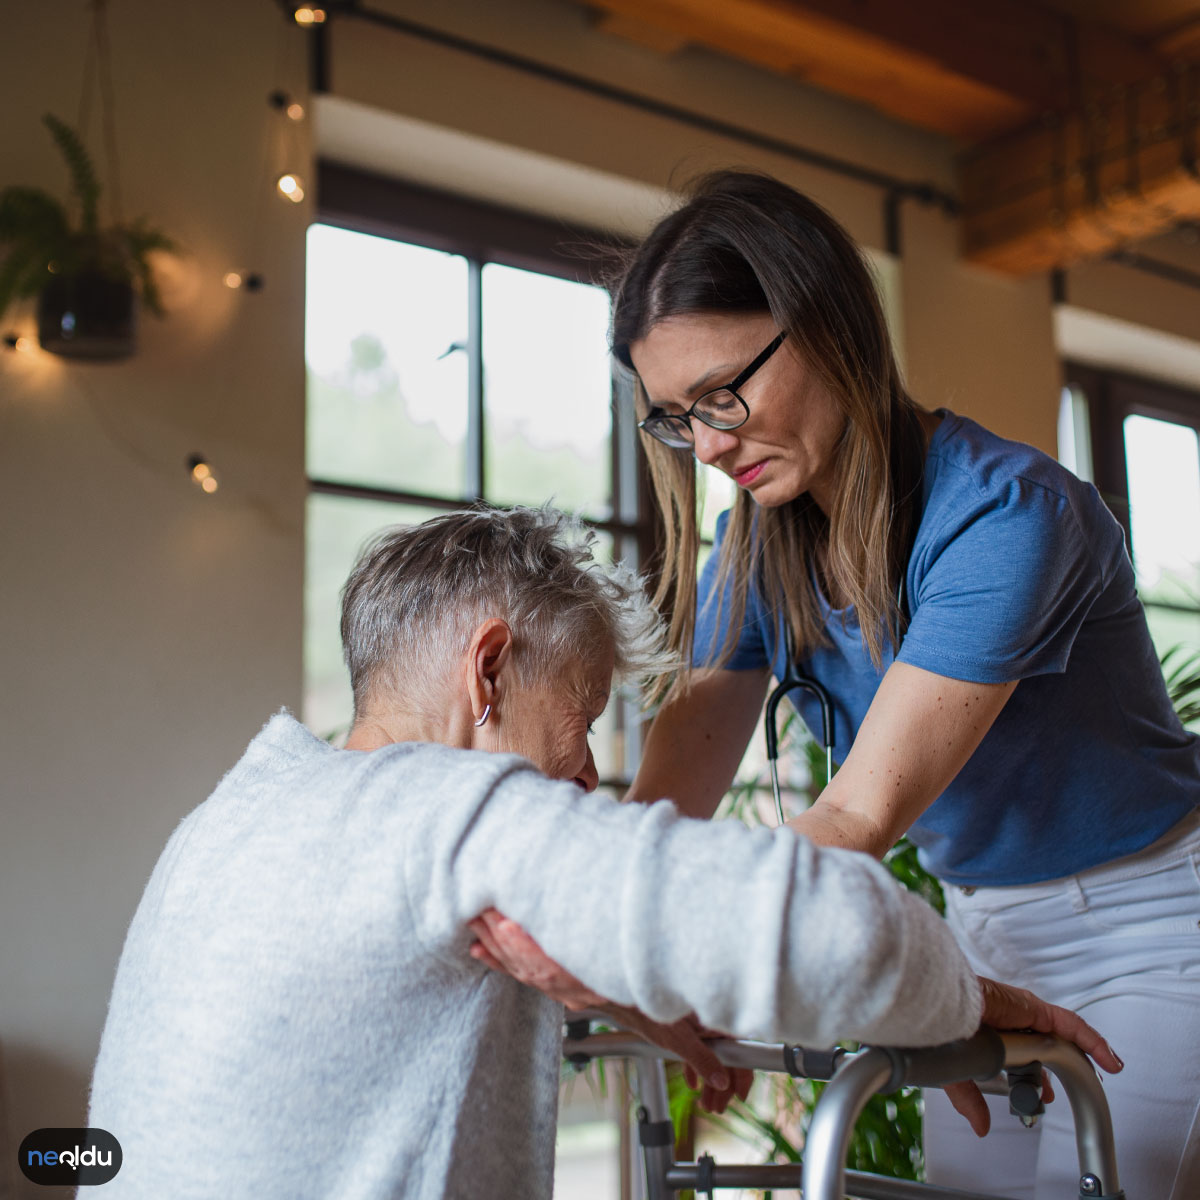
(504, 946)
(1006, 1007)
(703, 1071)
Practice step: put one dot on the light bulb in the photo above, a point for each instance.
(290, 187)
(202, 473)
(295, 111)
(309, 14)
(24, 345)
(233, 279)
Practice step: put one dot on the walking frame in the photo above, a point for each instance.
(1001, 1063)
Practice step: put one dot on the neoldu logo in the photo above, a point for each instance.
(81, 1157)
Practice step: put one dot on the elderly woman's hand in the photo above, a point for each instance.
(1006, 1007)
(504, 946)
(703, 1071)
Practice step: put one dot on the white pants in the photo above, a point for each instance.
(1120, 944)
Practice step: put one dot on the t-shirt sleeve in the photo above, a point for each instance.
(1002, 590)
(712, 618)
(759, 932)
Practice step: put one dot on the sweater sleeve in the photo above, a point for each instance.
(759, 932)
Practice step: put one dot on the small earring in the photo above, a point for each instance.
(487, 712)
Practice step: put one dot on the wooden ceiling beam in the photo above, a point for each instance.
(1083, 139)
(659, 38)
(965, 69)
(1085, 183)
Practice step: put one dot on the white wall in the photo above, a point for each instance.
(151, 629)
(148, 628)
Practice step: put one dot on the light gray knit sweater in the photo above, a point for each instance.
(295, 1013)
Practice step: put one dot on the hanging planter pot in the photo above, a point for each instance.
(88, 315)
(89, 280)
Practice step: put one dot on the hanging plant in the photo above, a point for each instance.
(87, 279)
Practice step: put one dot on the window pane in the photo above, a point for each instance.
(1074, 438)
(1163, 464)
(1170, 627)
(548, 390)
(385, 337)
(337, 528)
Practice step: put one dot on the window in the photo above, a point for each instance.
(454, 353)
(1145, 457)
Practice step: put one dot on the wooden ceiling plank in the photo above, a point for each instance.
(837, 57)
(961, 68)
(661, 39)
(1112, 183)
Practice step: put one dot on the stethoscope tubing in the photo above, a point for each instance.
(794, 679)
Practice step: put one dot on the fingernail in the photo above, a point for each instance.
(1115, 1055)
(719, 1080)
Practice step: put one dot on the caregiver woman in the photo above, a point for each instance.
(970, 607)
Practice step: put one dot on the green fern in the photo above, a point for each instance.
(1181, 671)
(36, 236)
(84, 183)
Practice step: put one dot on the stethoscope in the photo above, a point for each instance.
(794, 679)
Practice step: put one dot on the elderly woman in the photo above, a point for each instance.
(297, 1011)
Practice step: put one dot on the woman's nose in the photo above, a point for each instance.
(710, 444)
(589, 777)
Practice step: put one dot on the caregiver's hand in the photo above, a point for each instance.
(1007, 1007)
(504, 946)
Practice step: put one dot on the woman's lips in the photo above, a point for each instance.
(750, 474)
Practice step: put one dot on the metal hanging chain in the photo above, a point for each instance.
(98, 63)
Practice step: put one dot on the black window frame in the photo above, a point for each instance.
(1111, 396)
(482, 233)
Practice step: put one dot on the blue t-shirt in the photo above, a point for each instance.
(1018, 571)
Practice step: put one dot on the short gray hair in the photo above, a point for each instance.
(417, 593)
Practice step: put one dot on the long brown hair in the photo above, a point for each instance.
(746, 243)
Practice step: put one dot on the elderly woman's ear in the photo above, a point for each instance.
(489, 659)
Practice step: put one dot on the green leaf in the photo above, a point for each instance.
(84, 182)
(22, 273)
(1181, 672)
(32, 216)
(142, 239)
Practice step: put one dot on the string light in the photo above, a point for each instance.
(286, 104)
(290, 187)
(250, 281)
(202, 473)
(309, 14)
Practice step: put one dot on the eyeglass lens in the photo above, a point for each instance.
(719, 409)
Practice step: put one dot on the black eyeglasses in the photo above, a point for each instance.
(722, 408)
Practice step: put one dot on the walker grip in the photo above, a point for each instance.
(978, 1057)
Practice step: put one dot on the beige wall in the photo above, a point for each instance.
(149, 629)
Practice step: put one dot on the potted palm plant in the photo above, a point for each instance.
(87, 278)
